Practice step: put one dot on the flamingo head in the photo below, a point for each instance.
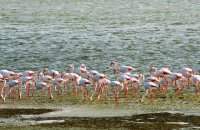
(50, 78)
(1, 80)
(19, 74)
(40, 75)
(102, 76)
(141, 76)
(45, 70)
(33, 79)
(31, 73)
(87, 82)
(83, 66)
(71, 68)
(131, 68)
(113, 63)
(18, 83)
(13, 74)
(153, 69)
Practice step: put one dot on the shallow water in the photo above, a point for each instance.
(56, 33)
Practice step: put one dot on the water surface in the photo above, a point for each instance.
(56, 33)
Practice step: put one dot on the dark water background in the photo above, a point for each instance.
(56, 33)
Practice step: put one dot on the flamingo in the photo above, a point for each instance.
(137, 78)
(123, 78)
(155, 80)
(163, 72)
(52, 73)
(24, 82)
(133, 81)
(3, 82)
(83, 83)
(13, 84)
(41, 86)
(95, 81)
(103, 83)
(116, 85)
(47, 78)
(176, 77)
(149, 86)
(79, 71)
(28, 73)
(195, 79)
(7, 74)
(121, 69)
(57, 83)
(71, 77)
(187, 72)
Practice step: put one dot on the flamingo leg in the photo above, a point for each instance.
(43, 94)
(100, 92)
(19, 92)
(2, 92)
(177, 88)
(152, 95)
(75, 90)
(196, 89)
(32, 93)
(95, 87)
(28, 87)
(125, 91)
(49, 92)
(146, 93)
(116, 93)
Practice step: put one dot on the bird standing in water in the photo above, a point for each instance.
(149, 86)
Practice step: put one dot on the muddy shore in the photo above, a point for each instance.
(168, 112)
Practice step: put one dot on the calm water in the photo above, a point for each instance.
(56, 33)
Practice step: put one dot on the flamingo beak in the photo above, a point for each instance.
(88, 82)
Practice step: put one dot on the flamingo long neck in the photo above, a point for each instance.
(71, 68)
(4, 82)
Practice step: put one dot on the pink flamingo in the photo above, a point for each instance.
(3, 82)
(121, 69)
(116, 85)
(95, 81)
(41, 86)
(7, 74)
(155, 80)
(163, 72)
(71, 77)
(28, 73)
(195, 79)
(103, 83)
(13, 84)
(57, 83)
(47, 78)
(132, 82)
(79, 71)
(187, 72)
(24, 82)
(52, 73)
(83, 83)
(123, 78)
(175, 77)
(149, 86)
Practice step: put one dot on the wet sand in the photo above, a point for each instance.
(35, 118)
(168, 112)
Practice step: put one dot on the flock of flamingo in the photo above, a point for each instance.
(92, 83)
